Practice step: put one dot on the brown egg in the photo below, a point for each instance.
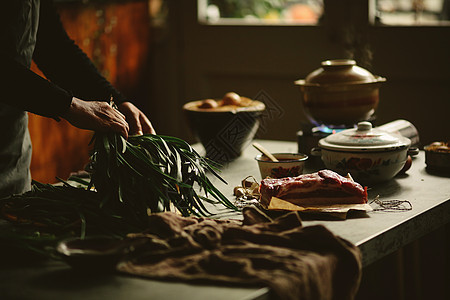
(231, 98)
(208, 103)
(442, 149)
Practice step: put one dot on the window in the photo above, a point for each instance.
(412, 12)
(276, 12)
(309, 12)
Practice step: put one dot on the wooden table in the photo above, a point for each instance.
(377, 235)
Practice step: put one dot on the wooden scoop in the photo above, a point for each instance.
(265, 152)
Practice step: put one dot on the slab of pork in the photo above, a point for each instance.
(322, 188)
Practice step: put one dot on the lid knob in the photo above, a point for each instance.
(364, 126)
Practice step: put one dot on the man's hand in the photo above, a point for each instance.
(97, 116)
(138, 122)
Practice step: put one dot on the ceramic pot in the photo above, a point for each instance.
(368, 154)
(340, 93)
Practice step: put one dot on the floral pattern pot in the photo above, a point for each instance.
(368, 154)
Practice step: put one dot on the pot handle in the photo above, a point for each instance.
(380, 79)
(316, 152)
(413, 151)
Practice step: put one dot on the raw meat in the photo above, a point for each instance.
(322, 188)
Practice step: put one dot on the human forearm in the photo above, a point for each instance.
(25, 90)
(65, 64)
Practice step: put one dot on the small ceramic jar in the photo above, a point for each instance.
(288, 165)
(370, 155)
(437, 157)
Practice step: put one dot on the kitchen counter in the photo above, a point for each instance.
(377, 234)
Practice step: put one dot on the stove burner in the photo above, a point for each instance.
(328, 129)
(309, 138)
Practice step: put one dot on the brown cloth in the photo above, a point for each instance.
(296, 262)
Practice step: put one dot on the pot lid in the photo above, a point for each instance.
(364, 138)
(339, 71)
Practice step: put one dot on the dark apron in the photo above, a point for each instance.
(18, 39)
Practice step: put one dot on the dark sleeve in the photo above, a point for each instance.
(28, 91)
(20, 87)
(64, 63)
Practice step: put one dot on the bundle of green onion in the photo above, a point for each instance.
(129, 180)
(152, 173)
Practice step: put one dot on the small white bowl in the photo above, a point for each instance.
(289, 165)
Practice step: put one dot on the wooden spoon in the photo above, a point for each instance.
(265, 152)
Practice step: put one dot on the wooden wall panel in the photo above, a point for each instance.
(116, 37)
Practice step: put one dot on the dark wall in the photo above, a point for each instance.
(194, 61)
